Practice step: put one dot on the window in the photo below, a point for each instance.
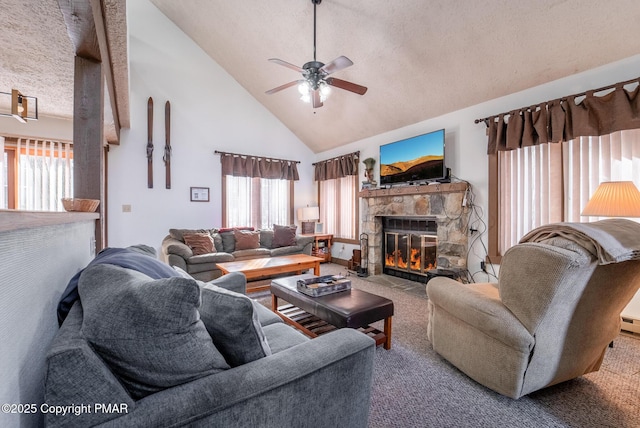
(338, 207)
(257, 202)
(257, 191)
(36, 174)
(338, 196)
(552, 182)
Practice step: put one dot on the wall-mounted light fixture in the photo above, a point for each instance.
(21, 106)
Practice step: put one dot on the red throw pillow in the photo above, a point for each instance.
(283, 236)
(246, 240)
(200, 243)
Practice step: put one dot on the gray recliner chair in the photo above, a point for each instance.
(549, 318)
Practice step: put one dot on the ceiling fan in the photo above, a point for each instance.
(315, 85)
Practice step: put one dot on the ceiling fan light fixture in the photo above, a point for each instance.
(325, 90)
(304, 88)
(316, 84)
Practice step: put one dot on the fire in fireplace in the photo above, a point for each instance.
(410, 246)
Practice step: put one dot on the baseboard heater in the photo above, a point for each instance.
(630, 324)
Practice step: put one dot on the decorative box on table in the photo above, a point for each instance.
(323, 285)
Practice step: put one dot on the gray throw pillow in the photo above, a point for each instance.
(148, 331)
(233, 324)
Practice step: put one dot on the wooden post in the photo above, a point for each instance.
(88, 151)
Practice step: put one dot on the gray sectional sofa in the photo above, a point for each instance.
(204, 266)
(173, 351)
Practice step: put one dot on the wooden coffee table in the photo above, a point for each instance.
(345, 309)
(257, 268)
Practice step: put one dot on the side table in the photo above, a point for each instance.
(322, 246)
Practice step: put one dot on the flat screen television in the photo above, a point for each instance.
(415, 159)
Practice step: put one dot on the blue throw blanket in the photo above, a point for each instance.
(140, 258)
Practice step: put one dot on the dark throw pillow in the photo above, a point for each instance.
(283, 236)
(246, 240)
(233, 325)
(148, 332)
(200, 243)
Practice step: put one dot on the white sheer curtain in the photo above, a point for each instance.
(257, 202)
(44, 174)
(338, 206)
(552, 182)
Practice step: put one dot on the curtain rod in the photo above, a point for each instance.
(338, 157)
(604, 88)
(217, 152)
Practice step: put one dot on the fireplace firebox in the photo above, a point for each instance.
(410, 246)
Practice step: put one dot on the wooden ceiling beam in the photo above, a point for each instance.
(78, 17)
(98, 12)
(86, 26)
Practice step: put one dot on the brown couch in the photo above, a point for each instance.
(204, 266)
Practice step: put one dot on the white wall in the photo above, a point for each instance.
(45, 127)
(209, 111)
(466, 142)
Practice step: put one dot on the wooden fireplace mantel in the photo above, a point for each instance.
(414, 190)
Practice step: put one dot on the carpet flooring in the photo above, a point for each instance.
(414, 387)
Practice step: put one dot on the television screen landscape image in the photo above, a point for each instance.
(415, 159)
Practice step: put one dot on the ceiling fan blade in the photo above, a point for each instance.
(337, 64)
(347, 86)
(287, 64)
(285, 86)
(315, 95)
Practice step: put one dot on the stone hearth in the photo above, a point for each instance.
(444, 201)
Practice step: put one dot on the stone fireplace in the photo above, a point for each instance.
(436, 210)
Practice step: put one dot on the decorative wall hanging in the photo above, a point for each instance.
(150, 143)
(167, 143)
(199, 194)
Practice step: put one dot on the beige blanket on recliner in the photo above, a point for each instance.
(611, 240)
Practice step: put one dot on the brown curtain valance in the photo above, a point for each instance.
(565, 119)
(254, 166)
(337, 167)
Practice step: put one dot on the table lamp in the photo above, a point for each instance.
(308, 217)
(614, 199)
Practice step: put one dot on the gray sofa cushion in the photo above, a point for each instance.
(228, 241)
(283, 251)
(232, 322)
(266, 317)
(148, 331)
(266, 238)
(282, 337)
(211, 258)
(251, 254)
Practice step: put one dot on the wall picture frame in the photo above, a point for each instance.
(199, 194)
(319, 228)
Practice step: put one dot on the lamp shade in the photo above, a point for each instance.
(308, 213)
(614, 199)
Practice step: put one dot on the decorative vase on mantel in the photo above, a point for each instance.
(368, 173)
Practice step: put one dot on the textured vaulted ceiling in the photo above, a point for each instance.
(37, 58)
(419, 58)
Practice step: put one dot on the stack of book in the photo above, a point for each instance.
(323, 285)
